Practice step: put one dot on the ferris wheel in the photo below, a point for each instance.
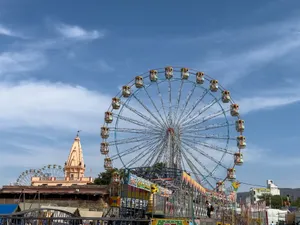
(45, 172)
(53, 171)
(176, 116)
(24, 178)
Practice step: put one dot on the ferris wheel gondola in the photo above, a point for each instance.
(151, 122)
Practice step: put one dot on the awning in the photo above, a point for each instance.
(8, 208)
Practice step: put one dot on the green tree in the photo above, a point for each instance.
(105, 177)
(275, 200)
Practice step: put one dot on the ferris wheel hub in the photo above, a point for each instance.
(170, 131)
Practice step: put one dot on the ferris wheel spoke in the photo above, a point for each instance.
(188, 98)
(209, 173)
(130, 140)
(210, 146)
(133, 149)
(155, 154)
(211, 136)
(196, 171)
(163, 122)
(139, 157)
(129, 130)
(194, 106)
(170, 100)
(139, 114)
(204, 154)
(178, 100)
(147, 109)
(205, 119)
(162, 102)
(209, 127)
(161, 151)
(136, 122)
(200, 112)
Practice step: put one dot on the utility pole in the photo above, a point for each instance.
(23, 192)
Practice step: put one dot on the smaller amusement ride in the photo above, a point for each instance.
(51, 170)
(178, 136)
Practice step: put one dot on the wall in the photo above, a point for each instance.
(91, 202)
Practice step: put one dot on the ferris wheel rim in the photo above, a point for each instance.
(136, 91)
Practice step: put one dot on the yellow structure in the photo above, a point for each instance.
(74, 170)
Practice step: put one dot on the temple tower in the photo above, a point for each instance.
(74, 166)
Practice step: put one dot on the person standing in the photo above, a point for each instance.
(209, 209)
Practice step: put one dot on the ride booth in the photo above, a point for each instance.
(141, 198)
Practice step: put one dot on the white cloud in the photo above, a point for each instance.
(8, 32)
(235, 66)
(78, 33)
(53, 105)
(252, 104)
(16, 62)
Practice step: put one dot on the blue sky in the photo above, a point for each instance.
(60, 64)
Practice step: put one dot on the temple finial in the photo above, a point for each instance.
(78, 133)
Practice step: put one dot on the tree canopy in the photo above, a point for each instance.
(276, 201)
(105, 177)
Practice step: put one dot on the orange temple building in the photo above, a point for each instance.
(74, 170)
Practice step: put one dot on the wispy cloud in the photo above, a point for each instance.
(265, 103)
(8, 32)
(252, 48)
(236, 66)
(18, 62)
(76, 32)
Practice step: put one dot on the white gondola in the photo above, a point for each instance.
(169, 72)
(220, 186)
(107, 163)
(231, 174)
(225, 96)
(238, 158)
(139, 82)
(200, 78)
(104, 148)
(240, 125)
(234, 110)
(126, 91)
(115, 103)
(153, 75)
(108, 117)
(241, 142)
(214, 85)
(185, 73)
(104, 132)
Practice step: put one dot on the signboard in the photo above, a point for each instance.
(169, 222)
(144, 184)
(139, 182)
(264, 190)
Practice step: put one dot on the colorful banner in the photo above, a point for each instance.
(188, 179)
(133, 192)
(114, 201)
(144, 184)
(169, 222)
(236, 185)
(139, 182)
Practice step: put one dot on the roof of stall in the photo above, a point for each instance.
(8, 208)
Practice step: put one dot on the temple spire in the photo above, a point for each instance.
(74, 166)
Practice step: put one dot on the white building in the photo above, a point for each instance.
(271, 189)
